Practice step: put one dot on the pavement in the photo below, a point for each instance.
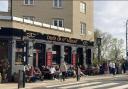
(41, 84)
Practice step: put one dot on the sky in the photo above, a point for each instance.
(3, 5)
(109, 16)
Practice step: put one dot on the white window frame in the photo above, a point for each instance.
(82, 7)
(59, 3)
(58, 22)
(29, 17)
(29, 2)
(83, 28)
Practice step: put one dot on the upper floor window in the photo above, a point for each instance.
(57, 3)
(82, 7)
(58, 22)
(29, 17)
(83, 28)
(29, 2)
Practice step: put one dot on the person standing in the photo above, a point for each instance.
(113, 68)
(63, 69)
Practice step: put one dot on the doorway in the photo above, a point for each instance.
(56, 54)
(39, 55)
(68, 54)
(88, 57)
(80, 56)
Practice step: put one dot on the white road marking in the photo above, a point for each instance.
(80, 85)
(60, 84)
(99, 86)
(120, 87)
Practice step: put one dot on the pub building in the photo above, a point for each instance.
(40, 49)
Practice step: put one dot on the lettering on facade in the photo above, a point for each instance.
(62, 39)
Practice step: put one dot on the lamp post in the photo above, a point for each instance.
(99, 50)
(127, 40)
(25, 39)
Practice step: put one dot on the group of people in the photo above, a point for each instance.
(113, 67)
(34, 73)
(51, 72)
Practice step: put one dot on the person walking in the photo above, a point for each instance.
(63, 69)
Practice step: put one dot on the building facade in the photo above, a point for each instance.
(46, 32)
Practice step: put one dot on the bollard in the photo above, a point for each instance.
(21, 79)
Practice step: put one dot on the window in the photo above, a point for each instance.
(83, 28)
(29, 17)
(57, 3)
(19, 52)
(29, 2)
(58, 22)
(82, 7)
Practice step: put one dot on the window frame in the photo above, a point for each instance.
(82, 8)
(29, 2)
(59, 3)
(82, 28)
(58, 22)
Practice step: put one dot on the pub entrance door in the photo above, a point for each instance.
(39, 55)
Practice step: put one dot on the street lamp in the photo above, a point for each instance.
(25, 39)
(98, 41)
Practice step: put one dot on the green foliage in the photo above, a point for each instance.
(111, 48)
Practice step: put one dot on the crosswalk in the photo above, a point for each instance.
(90, 85)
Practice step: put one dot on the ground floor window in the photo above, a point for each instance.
(19, 52)
(56, 54)
(4, 49)
(68, 54)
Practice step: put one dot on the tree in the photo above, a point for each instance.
(111, 48)
(117, 50)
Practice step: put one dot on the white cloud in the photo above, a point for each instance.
(4, 6)
(111, 16)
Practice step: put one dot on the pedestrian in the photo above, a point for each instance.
(52, 71)
(78, 71)
(123, 67)
(63, 69)
(113, 68)
(110, 67)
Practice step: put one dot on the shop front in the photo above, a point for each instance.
(43, 49)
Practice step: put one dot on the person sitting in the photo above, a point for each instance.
(37, 73)
(30, 74)
(52, 71)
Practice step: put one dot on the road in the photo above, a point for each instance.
(113, 83)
